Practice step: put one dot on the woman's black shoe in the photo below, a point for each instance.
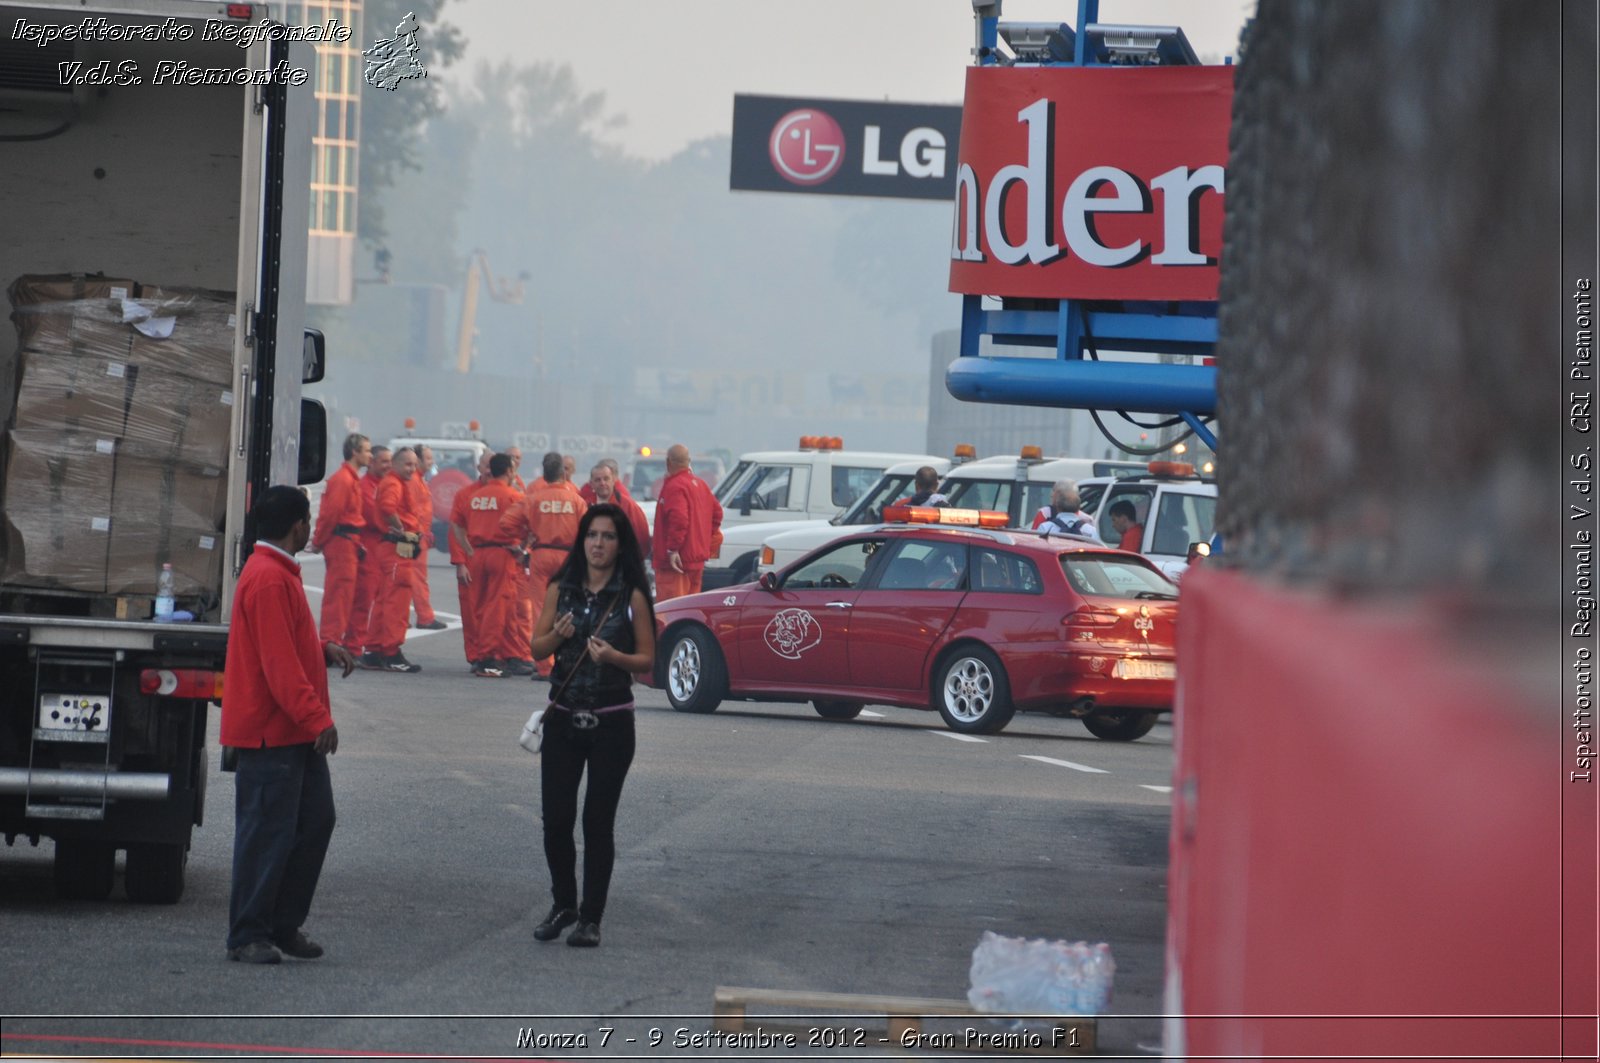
(554, 923)
(585, 935)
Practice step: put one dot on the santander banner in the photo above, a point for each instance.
(1094, 183)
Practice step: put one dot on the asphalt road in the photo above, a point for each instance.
(760, 846)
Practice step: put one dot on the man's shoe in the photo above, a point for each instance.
(516, 667)
(554, 923)
(255, 952)
(398, 663)
(372, 661)
(488, 670)
(433, 625)
(584, 936)
(299, 946)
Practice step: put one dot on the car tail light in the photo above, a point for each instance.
(1089, 616)
(181, 683)
(768, 556)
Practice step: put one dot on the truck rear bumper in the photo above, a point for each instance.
(58, 782)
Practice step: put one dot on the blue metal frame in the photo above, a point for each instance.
(1071, 380)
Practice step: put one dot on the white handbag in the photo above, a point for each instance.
(533, 732)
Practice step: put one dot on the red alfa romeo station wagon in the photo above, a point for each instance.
(940, 609)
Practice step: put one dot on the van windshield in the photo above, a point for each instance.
(868, 509)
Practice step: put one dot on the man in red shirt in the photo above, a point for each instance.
(688, 519)
(620, 493)
(491, 561)
(338, 539)
(402, 542)
(368, 577)
(460, 551)
(546, 521)
(1125, 522)
(276, 714)
(603, 487)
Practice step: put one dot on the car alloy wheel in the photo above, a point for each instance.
(683, 669)
(969, 690)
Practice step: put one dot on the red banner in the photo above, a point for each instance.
(1092, 183)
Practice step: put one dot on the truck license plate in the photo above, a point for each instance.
(1139, 669)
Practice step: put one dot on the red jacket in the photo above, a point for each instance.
(275, 685)
(687, 517)
(374, 527)
(341, 505)
(619, 494)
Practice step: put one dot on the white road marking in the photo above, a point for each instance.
(1064, 764)
(1157, 789)
(959, 737)
(874, 715)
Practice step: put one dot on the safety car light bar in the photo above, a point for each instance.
(968, 518)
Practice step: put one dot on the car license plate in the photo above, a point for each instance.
(1139, 669)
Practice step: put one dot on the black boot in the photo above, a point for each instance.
(554, 923)
(585, 935)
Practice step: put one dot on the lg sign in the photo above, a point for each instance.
(844, 147)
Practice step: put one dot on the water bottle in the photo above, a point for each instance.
(166, 588)
(1105, 969)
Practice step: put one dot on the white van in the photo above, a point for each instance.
(774, 490)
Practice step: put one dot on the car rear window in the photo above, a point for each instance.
(1103, 576)
(997, 570)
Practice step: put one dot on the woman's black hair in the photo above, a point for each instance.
(574, 571)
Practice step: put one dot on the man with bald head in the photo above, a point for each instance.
(688, 521)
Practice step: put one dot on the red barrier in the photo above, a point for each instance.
(1374, 839)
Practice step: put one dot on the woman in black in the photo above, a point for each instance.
(599, 623)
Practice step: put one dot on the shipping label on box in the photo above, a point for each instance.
(64, 392)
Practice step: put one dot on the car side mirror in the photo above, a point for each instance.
(744, 504)
(768, 581)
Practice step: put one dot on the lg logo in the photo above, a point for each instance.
(808, 146)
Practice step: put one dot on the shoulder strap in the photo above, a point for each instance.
(555, 698)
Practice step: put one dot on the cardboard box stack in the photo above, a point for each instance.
(116, 454)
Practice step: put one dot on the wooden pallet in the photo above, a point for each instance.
(1072, 1035)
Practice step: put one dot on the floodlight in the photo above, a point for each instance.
(1144, 44)
(1038, 42)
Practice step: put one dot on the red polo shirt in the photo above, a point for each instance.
(275, 687)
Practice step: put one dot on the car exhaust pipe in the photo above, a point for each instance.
(60, 782)
(1080, 708)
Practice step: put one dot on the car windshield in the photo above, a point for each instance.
(730, 483)
(1182, 519)
(868, 509)
(1102, 576)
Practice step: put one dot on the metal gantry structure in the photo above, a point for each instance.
(1079, 330)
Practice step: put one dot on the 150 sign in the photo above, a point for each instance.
(1092, 183)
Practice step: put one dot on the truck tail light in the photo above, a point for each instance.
(241, 10)
(181, 683)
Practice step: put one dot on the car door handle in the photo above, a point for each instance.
(838, 605)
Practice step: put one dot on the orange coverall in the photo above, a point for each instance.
(547, 517)
(493, 566)
(393, 607)
(339, 525)
(422, 504)
(368, 577)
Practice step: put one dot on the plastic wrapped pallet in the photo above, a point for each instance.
(138, 376)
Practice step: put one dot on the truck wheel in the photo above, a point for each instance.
(972, 693)
(155, 873)
(837, 710)
(84, 870)
(696, 676)
(1119, 726)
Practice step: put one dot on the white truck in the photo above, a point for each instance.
(155, 197)
(769, 490)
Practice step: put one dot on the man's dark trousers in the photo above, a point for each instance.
(283, 819)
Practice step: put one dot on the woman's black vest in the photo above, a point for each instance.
(594, 686)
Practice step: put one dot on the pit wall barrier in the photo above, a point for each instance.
(1376, 851)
